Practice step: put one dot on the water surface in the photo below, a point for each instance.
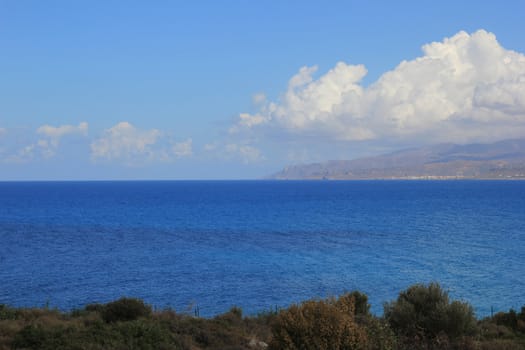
(259, 244)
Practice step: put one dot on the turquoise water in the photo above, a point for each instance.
(259, 244)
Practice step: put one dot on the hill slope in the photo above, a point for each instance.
(500, 160)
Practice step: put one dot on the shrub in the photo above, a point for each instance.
(7, 313)
(509, 319)
(380, 335)
(39, 337)
(125, 309)
(512, 320)
(143, 334)
(362, 307)
(323, 324)
(94, 308)
(424, 313)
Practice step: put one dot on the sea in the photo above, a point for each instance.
(201, 247)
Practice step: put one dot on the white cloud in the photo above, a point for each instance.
(57, 132)
(465, 88)
(45, 146)
(3, 131)
(52, 135)
(125, 142)
(183, 149)
(247, 120)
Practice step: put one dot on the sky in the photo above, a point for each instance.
(127, 90)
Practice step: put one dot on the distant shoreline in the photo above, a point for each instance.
(408, 178)
(313, 179)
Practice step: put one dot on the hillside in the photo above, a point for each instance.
(500, 160)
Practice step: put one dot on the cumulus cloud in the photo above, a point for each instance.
(51, 136)
(3, 131)
(56, 132)
(125, 143)
(464, 88)
(44, 145)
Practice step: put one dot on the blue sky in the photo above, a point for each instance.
(240, 89)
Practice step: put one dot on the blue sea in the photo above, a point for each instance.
(259, 244)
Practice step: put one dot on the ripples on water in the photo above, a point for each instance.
(260, 244)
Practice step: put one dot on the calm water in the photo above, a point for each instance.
(260, 244)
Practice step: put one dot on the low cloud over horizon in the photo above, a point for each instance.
(466, 88)
(132, 146)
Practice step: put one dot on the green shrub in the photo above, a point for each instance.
(7, 313)
(38, 337)
(125, 309)
(94, 308)
(362, 307)
(508, 319)
(424, 314)
(380, 334)
(143, 334)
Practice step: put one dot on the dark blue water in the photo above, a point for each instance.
(259, 244)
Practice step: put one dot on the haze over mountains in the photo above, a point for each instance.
(499, 160)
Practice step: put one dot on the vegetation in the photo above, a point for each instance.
(319, 324)
(422, 317)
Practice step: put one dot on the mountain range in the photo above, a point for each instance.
(500, 160)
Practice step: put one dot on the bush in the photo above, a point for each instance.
(424, 313)
(143, 334)
(511, 320)
(323, 324)
(380, 335)
(362, 307)
(7, 313)
(95, 308)
(39, 337)
(125, 309)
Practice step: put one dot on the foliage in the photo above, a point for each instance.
(362, 307)
(380, 334)
(125, 309)
(512, 319)
(321, 324)
(7, 313)
(504, 330)
(423, 314)
(342, 323)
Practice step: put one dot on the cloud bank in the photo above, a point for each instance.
(45, 145)
(56, 132)
(124, 143)
(51, 135)
(463, 89)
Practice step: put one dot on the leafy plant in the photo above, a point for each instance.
(423, 313)
(321, 324)
(125, 309)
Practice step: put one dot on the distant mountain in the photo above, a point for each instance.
(500, 160)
